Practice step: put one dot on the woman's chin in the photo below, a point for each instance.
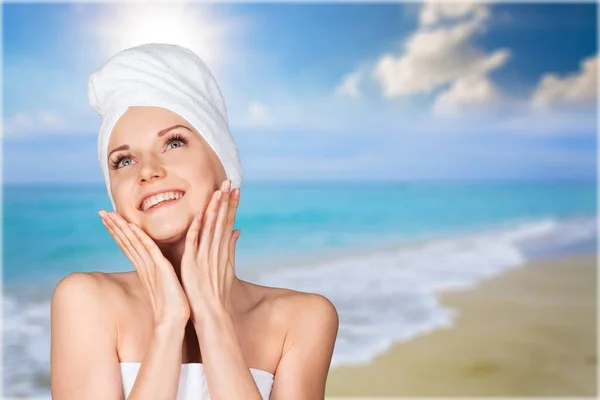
(168, 231)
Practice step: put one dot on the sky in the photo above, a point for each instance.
(392, 91)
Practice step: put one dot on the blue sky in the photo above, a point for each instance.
(409, 91)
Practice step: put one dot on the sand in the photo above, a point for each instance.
(530, 331)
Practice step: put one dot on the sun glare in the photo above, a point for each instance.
(188, 25)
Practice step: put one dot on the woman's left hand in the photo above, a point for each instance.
(208, 262)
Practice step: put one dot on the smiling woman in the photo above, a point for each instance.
(181, 325)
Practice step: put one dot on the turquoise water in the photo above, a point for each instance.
(50, 231)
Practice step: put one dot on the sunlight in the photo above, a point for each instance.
(191, 26)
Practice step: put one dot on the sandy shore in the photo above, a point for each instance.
(528, 332)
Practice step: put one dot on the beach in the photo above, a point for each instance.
(530, 331)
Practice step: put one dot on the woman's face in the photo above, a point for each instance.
(167, 155)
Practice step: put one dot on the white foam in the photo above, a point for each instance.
(26, 346)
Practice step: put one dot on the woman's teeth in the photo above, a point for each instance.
(159, 198)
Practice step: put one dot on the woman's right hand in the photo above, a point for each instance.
(161, 286)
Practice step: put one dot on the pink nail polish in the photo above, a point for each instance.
(219, 193)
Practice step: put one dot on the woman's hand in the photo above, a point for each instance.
(161, 286)
(208, 263)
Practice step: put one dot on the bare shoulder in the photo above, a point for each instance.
(83, 357)
(103, 291)
(299, 307)
(93, 280)
(310, 323)
(77, 297)
(80, 285)
(308, 305)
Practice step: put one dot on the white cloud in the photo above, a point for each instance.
(259, 115)
(474, 94)
(25, 122)
(350, 85)
(435, 12)
(572, 90)
(439, 56)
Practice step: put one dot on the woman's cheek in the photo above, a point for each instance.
(123, 200)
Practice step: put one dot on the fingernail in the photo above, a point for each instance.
(219, 193)
(199, 216)
(236, 193)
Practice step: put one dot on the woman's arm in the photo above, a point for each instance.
(309, 343)
(227, 375)
(302, 371)
(158, 377)
(84, 361)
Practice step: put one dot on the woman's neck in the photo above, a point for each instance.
(173, 252)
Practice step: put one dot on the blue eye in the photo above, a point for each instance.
(175, 141)
(122, 160)
(176, 138)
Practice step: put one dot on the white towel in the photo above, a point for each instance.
(168, 76)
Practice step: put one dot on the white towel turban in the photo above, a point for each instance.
(167, 76)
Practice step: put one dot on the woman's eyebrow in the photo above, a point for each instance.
(161, 133)
(173, 127)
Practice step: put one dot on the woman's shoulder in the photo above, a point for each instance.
(110, 291)
(104, 280)
(293, 304)
(78, 296)
(95, 283)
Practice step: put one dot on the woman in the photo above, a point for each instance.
(181, 325)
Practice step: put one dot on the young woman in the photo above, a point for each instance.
(181, 325)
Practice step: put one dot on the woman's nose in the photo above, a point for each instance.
(151, 170)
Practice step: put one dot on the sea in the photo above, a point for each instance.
(381, 252)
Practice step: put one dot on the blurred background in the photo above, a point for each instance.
(428, 167)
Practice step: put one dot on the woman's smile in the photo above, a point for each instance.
(161, 200)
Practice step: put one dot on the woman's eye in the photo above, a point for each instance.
(124, 162)
(175, 143)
